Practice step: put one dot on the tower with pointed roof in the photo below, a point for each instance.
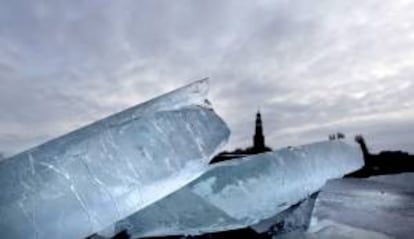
(258, 138)
(259, 145)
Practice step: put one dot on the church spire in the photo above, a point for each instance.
(258, 138)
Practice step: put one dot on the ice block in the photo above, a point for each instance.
(84, 181)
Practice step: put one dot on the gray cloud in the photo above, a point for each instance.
(312, 67)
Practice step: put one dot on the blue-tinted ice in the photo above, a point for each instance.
(241, 193)
(82, 182)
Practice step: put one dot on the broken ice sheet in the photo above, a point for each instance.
(377, 207)
(82, 182)
(240, 193)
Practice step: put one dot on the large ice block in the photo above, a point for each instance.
(243, 192)
(82, 182)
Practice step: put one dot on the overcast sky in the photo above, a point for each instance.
(312, 67)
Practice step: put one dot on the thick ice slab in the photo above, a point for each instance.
(87, 180)
(378, 207)
(241, 193)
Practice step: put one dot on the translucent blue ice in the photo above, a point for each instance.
(82, 182)
(243, 192)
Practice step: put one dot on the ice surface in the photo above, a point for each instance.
(84, 181)
(295, 218)
(182, 212)
(243, 192)
(404, 181)
(379, 207)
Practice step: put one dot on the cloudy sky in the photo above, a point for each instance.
(312, 67)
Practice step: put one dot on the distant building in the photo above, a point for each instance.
(259, 144)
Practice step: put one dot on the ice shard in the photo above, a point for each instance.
(82, 182)
(295, 218)
(243, 192)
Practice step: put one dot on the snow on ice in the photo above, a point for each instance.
(377, 207)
